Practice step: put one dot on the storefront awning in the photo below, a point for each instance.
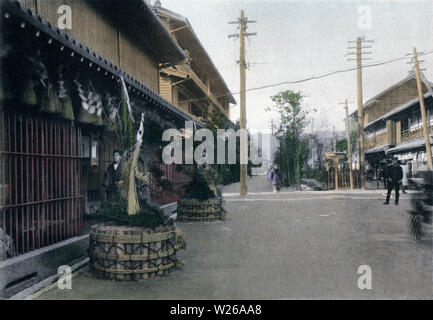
(413, 144)
(377, 149)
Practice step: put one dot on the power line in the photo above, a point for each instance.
(322, 76)
(327, 74)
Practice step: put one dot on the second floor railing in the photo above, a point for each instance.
(408, 135)
(376, 141)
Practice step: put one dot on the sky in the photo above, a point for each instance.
(301, 39)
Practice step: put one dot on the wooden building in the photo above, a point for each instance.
(195, 86)
(409, 142)
(383, 129)
(61, 92)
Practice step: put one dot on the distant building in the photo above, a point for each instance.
(320, 143)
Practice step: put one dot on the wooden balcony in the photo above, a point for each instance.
(376, 141)
(185, 72)
(414, 134)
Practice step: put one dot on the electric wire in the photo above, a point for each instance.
(315, 77)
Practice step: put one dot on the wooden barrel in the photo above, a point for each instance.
(133, 253)
(196, 210)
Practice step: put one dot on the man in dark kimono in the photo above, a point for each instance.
(395, 176)
(112, 176)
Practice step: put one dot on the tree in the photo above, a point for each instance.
(341, 145)
(293, 150)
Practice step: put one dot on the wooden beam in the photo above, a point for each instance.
(174, 72)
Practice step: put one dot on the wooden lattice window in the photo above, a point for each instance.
(41, 191)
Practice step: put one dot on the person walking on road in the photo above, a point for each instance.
(275, 176)
(395, 176)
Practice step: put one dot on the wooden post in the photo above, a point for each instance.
(336, 160)
(398, 132)
(360, 112)
(349, 145)
(243, 120)
(423, 112)
(243, 21)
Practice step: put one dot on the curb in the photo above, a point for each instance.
(47, 284)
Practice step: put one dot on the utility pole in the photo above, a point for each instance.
(425, 124)
(349, 144)
(271, 152)
(334, 140)
(359, 59)
(243, 21)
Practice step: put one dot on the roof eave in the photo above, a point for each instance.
(173, 15)
(139, 18)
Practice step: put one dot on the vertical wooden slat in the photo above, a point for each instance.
(42, 212)
(56, 170)
(27, 185)
(42, 156)
(20, 217)
(38, 183)
(32, 148)
(9, 148)
(78, 170)
(67, 178)
(64, 181)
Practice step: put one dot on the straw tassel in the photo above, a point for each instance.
(133, 203)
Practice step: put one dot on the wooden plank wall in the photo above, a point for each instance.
(175, 95)
(391, 100)
(91, 28)
(136, 63)
(390, 130)
(165, 88)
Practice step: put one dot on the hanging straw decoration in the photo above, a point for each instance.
(111, 116)
(49, 100)
(90, 108)
(113, 109)
(27, 93)
(64, 98)
(133, 203)
(30, 84)
(126, 97)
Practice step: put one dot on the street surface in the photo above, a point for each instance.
(291, 245)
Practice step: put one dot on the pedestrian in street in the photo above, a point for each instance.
(113, 176)
(384, 168)
(395, 176)
(275, 176)
(405, 181)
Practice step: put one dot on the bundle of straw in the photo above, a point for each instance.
(27, 93)
(133, 203)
